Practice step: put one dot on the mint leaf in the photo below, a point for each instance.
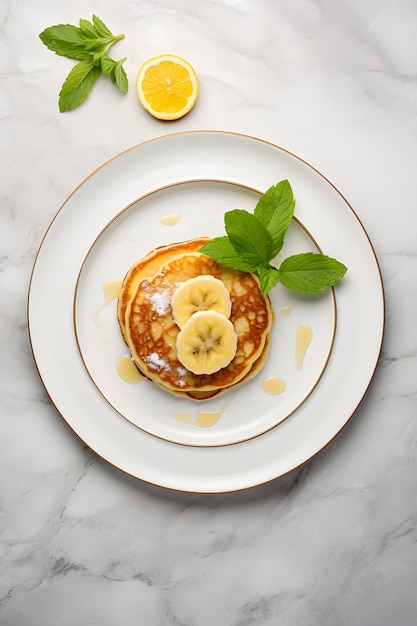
(107, 65)
(115, 71)
(88, 29)
(120, 76)
(249, 237)
(268, 277)
(275, 210)
(310, 272)
(101, 27)
(221, 250)
(78, 85)
(65, 40)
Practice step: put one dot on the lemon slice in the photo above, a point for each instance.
(167, 87)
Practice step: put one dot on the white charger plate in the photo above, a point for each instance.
(241, 161)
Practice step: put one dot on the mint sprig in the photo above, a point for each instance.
(87, 43)
(253, 240)
(78, 85)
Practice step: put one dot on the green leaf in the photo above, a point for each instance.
(310, 272)
(121, 79)
(96, 57)
(221, 250)
(275, 210)
(88, 29)
(107, 65)
(268, 277)
(65, 40)
(249, 237)
(115, 71)
(78, 85)
(101, 27)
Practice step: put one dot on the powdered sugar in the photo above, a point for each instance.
(181, 372)
(155, 362)
(161, 302)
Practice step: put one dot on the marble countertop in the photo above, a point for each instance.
(332, 543)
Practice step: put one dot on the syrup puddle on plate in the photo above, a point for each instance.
(128, 371)
(274, 385)
(171, 219)
(303, 340)
(203, 419)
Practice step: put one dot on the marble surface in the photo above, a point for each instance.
(335, 541)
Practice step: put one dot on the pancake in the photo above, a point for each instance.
(150, 330)
(148, 266)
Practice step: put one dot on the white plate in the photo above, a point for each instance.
(245, 412)
(322, 210)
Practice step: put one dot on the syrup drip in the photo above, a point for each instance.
(203, 419)
(111, 290)
(304, 337)
(274, 385)
(171, 219)
(127, 370)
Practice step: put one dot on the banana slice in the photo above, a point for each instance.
(201, 293)
(206, 343)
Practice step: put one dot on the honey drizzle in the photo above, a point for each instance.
(127, 370)
(304, 337)
(171, 219)
(203, 419)
(274, 385)
(111, 290)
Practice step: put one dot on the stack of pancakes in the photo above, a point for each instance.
(150, 332)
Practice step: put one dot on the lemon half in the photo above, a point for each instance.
(167, 87)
